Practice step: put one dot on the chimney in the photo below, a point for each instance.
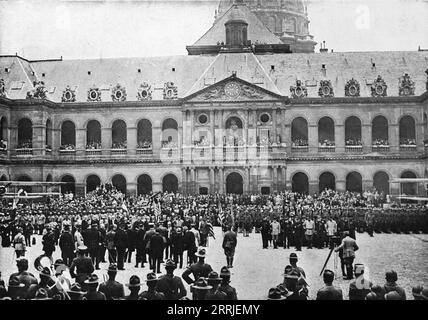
(323, 48)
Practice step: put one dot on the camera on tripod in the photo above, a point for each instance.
(335, 241)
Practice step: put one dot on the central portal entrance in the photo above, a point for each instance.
(234, 183)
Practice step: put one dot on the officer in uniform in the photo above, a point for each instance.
(112, 289)
(349, 246)
(93, 240)
(214, 281)
(198, 269)
(229, 244)
(81, 267)
(265, 231)
(151, 293)
(92, 292)
(329, 292)
(298, 232)
(225, 285)
(23, 275)
(66, 244)
(171, 286)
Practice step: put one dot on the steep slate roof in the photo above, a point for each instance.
(342, 66)
(193, 73)
(124, 71)
(256, 31)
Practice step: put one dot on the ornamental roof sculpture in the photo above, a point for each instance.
(379, 87)
(118, 93)
(406, 86)
(39, 91)
(352, 88)
(326, 89)
(94, 94)
(68, 95)
(299, 90)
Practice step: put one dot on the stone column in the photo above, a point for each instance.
(106, 140)
(80, 141)
(420, 135)
(131, 138)
(221, 174)
(212, 180)
(393, 137)
(366, 137)
(12, 142)
(255, 180)
(283, 177)
(341, 185)
(313, 137)
(193, 180)
(339, 138)
(274, 178)
(191, 119)
(131, 189)
(249, 180)
(39, 137)
(156, 140)
(367, 184)
(274, 119)
(80, 189)
(313, 186)
(184, 180)
(56, 140)
(212, 122)
(287, 137)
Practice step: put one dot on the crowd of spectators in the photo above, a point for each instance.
(68, 147)
(119, 145)
(326, 143)
(94, 145)
(351, 142)
(299, 143)
(407, 142)
(144, 144)
(25, 144)
(380, 142)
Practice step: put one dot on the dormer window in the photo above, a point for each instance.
(236, 33)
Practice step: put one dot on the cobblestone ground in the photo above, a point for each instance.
(256, 269)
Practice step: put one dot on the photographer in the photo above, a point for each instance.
(349, 246)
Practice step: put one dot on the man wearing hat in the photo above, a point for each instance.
(229, 244)
(189, 245)
(66, 244)
(198, 269)
(78, 238)
(275, 294)
(295, 284)
(200, 289)
(171, 286)
(75, 292)
(82, 266)
(360, 287)
(93, 240)
(177, 246)
(349, 246)
(46, 282)
(151, 293)
(156, 247)
(121, 243)
(23, 275)
(214, 281)
(92, 285)
(293, 262)
(134, 286)
(329, 292)
(225, 284)
(48, 241)
(112, 289)
(15, 289)
(19, 243)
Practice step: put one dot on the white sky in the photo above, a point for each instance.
(40, 29)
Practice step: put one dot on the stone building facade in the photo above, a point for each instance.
(243, 119)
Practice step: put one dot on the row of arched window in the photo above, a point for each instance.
(354, 182)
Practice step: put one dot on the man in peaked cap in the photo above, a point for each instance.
(92, 285)
(171, 286)
(360, 287)
(151, 293)
(329, 292)
(134, 286)
(198, 269)
(82, 266)
(112, 289)
(225, 284)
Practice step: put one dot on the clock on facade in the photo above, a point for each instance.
(232, 89)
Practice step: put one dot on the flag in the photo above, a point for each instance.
(210, 230)
(157, 208)
(124, 207)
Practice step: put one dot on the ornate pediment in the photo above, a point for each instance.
(233, 89)
(39, 91)
(406, 86)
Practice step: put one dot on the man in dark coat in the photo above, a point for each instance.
(171, 286)
(93, 241)
(177, 246)
(147, 238)
(81, 267)
(329, 292)
(66, 244)
(24, 276)
(121, 243)
(157, 244)
(112, 289)
(132, 238)
(151, 293)
(48, 242)
(265, 231)
(140, 246)
(229, 244)
(189, 245)
(225, 286)
(92, 292)
(391, 285)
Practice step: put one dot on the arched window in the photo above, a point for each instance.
(68, 135)
(354, 182)
(70, 185)
(49, 178)
(93, 135)
(118, 133)
(92, 182)
(353, 131)
(144, 184)
(299, 132)
(25, 133)
(3, 129)
(300, 183)
(48, 135)
(409, 188)
(234, 183)
(3, 178)
(326, 132)
(144, 134)
(119, 182)
(380, 131)
(170, 133)
(407, 131)
(327, 181)
(381, 182)
(170, 183)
